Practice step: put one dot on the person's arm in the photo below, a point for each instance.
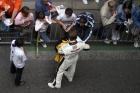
(107, 21)
(38, 25)
(18, 20)
(2, 13)
(135, 18)
(17, 6)
(60, 51)
(58, 20)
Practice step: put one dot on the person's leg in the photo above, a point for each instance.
(48, 30)
(70, 73)
(136, 34)
(59, 74)
(87, 33)
(107, 33)
(13, 68)
(44, 37)
(18, 76)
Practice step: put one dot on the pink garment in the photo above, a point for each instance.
(19, 20)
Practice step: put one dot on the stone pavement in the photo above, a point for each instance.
(97, 72)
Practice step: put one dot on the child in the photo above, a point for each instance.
(66, 20)
(70, 53)
(24, 19)
(18, 59)
(41, 25)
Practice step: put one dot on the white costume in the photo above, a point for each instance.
(68, 61)
(19, 57)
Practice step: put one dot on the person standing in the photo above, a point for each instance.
(70, 53)
(18, 58)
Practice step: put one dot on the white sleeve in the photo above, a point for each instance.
(60, 16)
(38, 25)
(60, 51)
(23, 58)
(74, 18)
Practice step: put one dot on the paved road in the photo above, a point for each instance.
(92, 76)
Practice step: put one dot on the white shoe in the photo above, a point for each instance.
(67, 76)
(43, 44)
(41, 40)
(115, 42)
(97, 1)
(107, 41)
(85, 1)
(52, 86)
(136, 44)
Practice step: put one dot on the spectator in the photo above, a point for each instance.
(18, 58)
(47, 7)
(108, 15)
(41, 25)
(24, 19)
(136, 28)
(15, 6)
(124, 18)
(84, 25)
(86, 2)
(68, 62)
(66, 20)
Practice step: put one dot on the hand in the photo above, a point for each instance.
(11, 21)
(2, 13)
(25, 52)
(130, 22)
(2, 18)
(115, 13)
(64, 27)
(27, 18)
(53, 10)
(7, 7)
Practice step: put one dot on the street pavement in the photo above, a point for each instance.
(98, 73)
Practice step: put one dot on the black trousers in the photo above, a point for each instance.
(18, 72)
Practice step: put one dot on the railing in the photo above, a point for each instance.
(55, 35)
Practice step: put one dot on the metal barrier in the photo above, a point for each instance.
(7, 37)
(55, 34)
(56, 31)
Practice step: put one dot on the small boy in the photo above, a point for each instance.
(18, 58)
(41, 25)
(66, 20)
(70, 53)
